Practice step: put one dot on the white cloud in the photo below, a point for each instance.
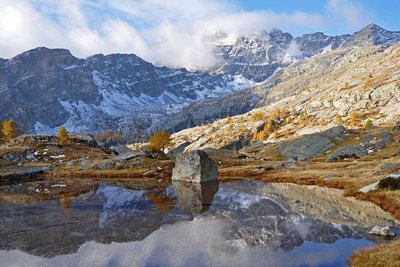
(353, 13)
(164, 32)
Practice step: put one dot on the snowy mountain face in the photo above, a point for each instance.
(44, 88)
(259, 55)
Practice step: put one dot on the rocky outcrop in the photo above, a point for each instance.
(311, 146)
(377, 141)
(82, 138)
(26, 154)
(384, 231)
(178, 150)
(125, 153)
(196, 167)
(16, 174)
(348, 152)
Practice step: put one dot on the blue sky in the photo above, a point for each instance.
(173, 32)
(385, 13)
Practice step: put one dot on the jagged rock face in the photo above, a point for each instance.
(373, 35)
(258, 56)
(44, 88)
(312, 44)
(210, 110)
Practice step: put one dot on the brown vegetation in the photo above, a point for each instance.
(387, 255)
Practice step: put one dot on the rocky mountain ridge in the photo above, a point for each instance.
(257, 56)
(347, 86)
(43, 89)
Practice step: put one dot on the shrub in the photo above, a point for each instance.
(293, 112)
(390, 182)
(369, 123)
(354, 118)
(338, 120)
(367, 83)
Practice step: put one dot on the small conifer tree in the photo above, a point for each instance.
(1, 133)
(62, 136)
(9, 130)
(275, 134)
(287, 133)
(159, 141)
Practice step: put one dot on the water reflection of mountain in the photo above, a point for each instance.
(264, 215)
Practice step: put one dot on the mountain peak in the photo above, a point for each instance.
(371, 28)
(44, 52)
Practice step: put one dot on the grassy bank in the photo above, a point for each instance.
(387, 255)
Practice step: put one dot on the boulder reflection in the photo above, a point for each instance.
(195, 197)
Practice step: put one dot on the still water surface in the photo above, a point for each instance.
(244, 223)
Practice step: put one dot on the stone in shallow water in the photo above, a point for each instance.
(195, 166)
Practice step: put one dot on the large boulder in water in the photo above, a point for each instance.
(195, 166)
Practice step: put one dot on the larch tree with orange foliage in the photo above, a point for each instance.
(9, 130)
(62, 136)
(159, 141)
(1, 133)
(353, 118)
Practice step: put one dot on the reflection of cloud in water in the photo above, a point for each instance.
(202, 242)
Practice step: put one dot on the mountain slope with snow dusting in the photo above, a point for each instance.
(44, 88)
